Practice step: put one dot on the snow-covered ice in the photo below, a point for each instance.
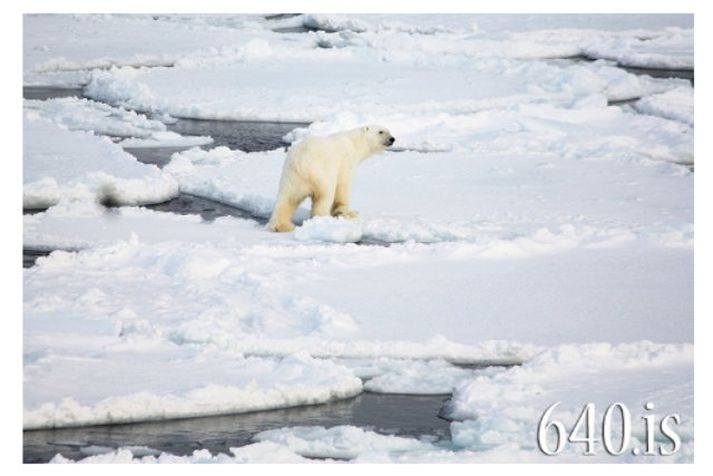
(676, 104)
(521, 219)
(502, 410)
(343, 442)
(146, 382)
(60, 164)
(254, 88)
(78, 225)
(60, 50)
(670, 49)
(137, 130)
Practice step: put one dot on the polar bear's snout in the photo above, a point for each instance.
(385, 137)
(388, 140)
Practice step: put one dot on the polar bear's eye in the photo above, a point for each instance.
(381, 132)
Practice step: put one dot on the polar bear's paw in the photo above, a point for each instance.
(350, 215)
(281, 227)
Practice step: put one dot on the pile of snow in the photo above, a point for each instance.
(329, 229)
(86, 115)
(676, 104)
(59, 164)
(342, 442)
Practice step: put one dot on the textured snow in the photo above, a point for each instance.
(59, 164)
(669, 49)
(431, 377)
(343, 442)
(431, 24)
(584, 129)
(283, 321)
(538, 187)
(386, 69)
(520, 220)
(59, 50)
(629, 40)
(502, 411)
(244, 86)
(265, 452)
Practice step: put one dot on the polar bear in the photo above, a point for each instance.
(323, 168)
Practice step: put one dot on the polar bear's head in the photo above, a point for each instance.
(377, 137)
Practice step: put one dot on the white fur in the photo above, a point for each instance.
(323, 168)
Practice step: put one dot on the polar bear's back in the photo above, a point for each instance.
(338, 146)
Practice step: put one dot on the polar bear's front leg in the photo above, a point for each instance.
(340, 208)
(322, 203)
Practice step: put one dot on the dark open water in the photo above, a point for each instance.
(404, 415)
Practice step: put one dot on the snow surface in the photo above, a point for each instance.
(60, 50)
(520, 219)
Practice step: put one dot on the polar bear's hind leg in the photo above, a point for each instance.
(285, 208)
